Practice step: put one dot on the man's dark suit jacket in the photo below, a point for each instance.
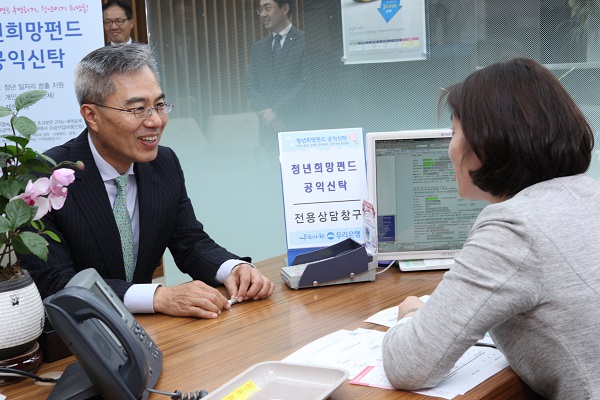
(90, 238)
(279, 86)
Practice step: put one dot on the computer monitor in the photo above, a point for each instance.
(421, 220)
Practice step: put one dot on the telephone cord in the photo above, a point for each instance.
(4, 371)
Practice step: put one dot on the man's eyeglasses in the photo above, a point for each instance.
(267, 9)
(119, 22)
(143, 112)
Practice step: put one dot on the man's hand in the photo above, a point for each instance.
(192, 299)
(245, 282)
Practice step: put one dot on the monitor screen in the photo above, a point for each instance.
(412, 187)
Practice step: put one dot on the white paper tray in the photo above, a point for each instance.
(275, 380)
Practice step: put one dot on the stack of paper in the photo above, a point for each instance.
(359, 352)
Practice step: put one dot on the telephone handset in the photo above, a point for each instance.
(116, 358)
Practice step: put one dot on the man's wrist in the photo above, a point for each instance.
(139, 298)
(226, 268)
(242, 263)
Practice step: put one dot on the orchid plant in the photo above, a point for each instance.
(31, 185)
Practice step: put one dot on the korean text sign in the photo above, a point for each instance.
(41, 42)
(324, 185)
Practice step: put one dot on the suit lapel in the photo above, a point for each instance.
(289, 42)
(148, 184)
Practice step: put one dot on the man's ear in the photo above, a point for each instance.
(90, 116)
(286, 10)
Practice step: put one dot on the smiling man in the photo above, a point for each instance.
(130, 203)
(118, 21)
(276, 72)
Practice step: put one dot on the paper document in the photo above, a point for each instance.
(360, 353)
(474, 367)
(351, 350)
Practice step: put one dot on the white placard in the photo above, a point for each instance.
(324, 185)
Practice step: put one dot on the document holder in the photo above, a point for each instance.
(344, 262)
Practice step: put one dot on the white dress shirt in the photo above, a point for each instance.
(127, 42)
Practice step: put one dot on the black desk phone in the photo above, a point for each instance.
(117, 360)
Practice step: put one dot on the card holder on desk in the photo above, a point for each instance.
(344, 262)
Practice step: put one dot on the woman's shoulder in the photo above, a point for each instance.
(548, 206)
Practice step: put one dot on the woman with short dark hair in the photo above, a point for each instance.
(528, 273)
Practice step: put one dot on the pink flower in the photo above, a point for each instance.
(58, 192)
(33, 196)
(57, 196)
(62, 177)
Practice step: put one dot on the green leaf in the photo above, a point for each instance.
(29, 242)
(10, 188)
(4, 224)
(4, 157)
(26, 154)
(10, 149)
(35, 244)
(35, 165)
(19, 213)
(19, 246)
(23, 179)
(21, 141)
(4, 111)
(29, 98)
(3, 239)
(52, 235)
(49, 159)
(24, 126)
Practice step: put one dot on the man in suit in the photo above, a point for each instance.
(125, 112)
(276, 72)
(118, 21)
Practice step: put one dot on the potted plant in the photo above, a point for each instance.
(31, 185)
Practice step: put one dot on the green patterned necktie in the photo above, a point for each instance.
(124, 225)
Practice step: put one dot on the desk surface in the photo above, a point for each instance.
(204, 354)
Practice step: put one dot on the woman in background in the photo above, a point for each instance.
(529, 273)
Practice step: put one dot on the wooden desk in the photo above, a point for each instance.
(204, 354)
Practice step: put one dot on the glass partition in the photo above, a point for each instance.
(231, 162)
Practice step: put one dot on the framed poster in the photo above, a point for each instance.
(383, 31)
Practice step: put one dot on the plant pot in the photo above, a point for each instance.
(29, 362)
(22, 314)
